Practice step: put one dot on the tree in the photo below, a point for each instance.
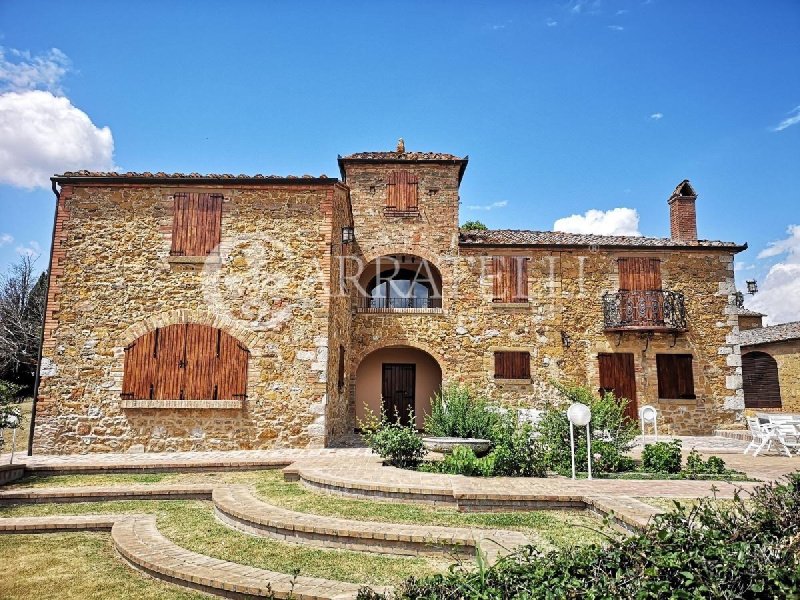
(473, 226)
(22, 300)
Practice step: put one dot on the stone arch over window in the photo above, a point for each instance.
(185, 361)
(760, 380)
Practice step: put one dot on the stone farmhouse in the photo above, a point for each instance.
(770, 364)
(201, 312)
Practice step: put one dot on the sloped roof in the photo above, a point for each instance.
(410, 156)
(772, 333)
(146, 176)
(519, 237)
(746, 312)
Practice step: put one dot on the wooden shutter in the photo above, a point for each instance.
(509, 279)
(618, 376)
(675, 376)
(512, 365)
(640, 274)
(196, 224)
(402, 192)
(762, 388)
(185, 362)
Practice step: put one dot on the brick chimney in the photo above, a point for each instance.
(682, 215)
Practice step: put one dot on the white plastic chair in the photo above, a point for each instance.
(763, 435)
(785, 430)
(649, 414)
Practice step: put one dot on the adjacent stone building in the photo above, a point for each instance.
(230, 312)
(771, 365)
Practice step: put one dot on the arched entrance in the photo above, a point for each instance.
(762, 388)
(397, 379)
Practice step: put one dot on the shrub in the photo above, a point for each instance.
(721, 551)
(457, 412)
(612, 432)
(695, 465)
(662, 457)
(398, 444)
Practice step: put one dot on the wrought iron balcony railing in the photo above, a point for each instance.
(399, 304)
(645, 310)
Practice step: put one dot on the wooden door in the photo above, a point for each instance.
(398, 385)
(642, 302)
(617, 375)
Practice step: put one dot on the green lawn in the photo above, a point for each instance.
(545, 528)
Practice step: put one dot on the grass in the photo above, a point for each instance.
(545, 528)
(22, 431)
(192, 525)
(668, 504)
(75, 566)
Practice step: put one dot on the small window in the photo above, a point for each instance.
(675, 376)
(401, 197)
(512, 365)
(196, 224)
(509, 279)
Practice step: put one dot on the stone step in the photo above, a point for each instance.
(239, 508)
(185, 491)
(139, 542)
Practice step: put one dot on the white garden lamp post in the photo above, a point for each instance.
(13, 422)
(580, 415)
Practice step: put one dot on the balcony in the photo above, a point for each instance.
(644, 310)
(407, 304)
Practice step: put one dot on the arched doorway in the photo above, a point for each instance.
(761, 385)
(396, 380)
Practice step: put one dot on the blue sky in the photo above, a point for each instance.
(561, 106)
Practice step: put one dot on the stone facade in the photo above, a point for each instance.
(288, 289)
(787, 354)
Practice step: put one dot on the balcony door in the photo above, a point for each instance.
(398, 384)
(641, 300)
(618, 375)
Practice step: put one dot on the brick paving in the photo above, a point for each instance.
(177, 491)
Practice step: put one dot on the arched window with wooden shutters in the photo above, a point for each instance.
(402, 196)
(762, 388)
(187, 361)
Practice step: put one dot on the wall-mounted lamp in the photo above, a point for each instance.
(752, 286)
(348, 235)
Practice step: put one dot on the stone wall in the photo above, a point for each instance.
(787, 355)
(113, 280)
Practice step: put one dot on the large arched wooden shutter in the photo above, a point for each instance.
(762, 388)
(185, 362)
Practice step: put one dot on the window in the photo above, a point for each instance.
(196, 224)
(509, 279)
(402, 193)
(641, 299)
(512, 365)
(185, 362)
(639, 274)
(675, 377)
(762, 388)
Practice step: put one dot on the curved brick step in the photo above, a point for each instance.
(139, 542)
(188, 491)
(239, 508)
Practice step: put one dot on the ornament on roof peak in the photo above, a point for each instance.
(401, 146)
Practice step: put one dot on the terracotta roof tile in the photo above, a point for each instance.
(518, 237)
(410, 156)
(746, 312)
(773, 333)
(162, 175)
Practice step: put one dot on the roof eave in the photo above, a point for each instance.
(733, 249)
(122, 179)
(462, 162)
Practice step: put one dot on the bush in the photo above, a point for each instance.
(695, 465)
(457, 412)
(612, 432)
(662, 457)
(720, 551)
(398, 444)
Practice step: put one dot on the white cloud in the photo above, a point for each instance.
(779, 292)
(616, 28)
(32, 249)
(794, 119)
(20, 71)
(493, 205)
(42, 134)
(5, 239)
(551, 22)
(617, 221)
(657, 116)
(741, 266)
